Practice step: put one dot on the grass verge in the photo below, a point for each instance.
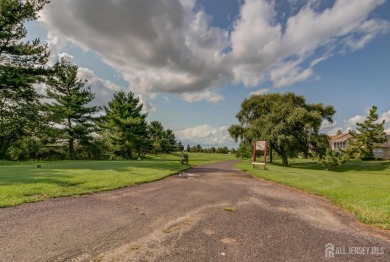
(24, 182)
(358, 186)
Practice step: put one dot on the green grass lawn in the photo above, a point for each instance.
(24, 182)
(360, 187)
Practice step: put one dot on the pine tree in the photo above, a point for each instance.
(21, 65)
(127, 125)
(156, 134)
(168, 144)
(69, 107)
(180, 146)
(362, 141)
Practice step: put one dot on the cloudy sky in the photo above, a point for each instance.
(192, 62)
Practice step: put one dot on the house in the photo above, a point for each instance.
(340, 142)
(383, 150)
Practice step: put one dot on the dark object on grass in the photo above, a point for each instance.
(39, 166)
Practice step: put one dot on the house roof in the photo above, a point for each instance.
(345, 137)
(385, 144)
(339, 138)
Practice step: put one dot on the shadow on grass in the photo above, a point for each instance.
(302, 165)
(60, 173)
(55, 178)
(364, 166)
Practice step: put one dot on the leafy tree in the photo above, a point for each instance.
(339, 132)
(69, 105)
(188, 148)
(21, 65)
(198, 148)
(289, 124)
(127, 125)
(362, 142)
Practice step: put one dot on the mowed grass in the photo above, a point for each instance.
(24, 182)
(362, 187)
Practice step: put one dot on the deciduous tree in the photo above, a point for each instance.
(289, 124)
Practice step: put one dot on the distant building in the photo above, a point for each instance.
(383, 150)
(340, 142)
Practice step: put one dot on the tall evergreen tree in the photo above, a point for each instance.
(20, 62)
(156, 134)
(69, 106)
(168, 144)
(127, 125)
(362, 141)
(21, 65)
(180, 146)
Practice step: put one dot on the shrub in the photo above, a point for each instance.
(333, 159)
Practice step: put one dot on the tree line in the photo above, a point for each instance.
(219, 150)
(62, 124)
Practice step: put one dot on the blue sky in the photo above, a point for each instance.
(193, 62)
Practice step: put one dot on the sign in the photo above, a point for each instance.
(261, 145)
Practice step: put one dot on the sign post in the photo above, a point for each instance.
(257, 146)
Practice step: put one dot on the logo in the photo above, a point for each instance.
(329, 250)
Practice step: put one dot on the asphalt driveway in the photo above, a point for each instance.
(215, 214)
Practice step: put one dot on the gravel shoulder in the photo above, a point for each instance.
(184, 219)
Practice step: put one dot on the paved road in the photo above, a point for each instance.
(184, 219)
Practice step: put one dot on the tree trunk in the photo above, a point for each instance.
(270, 153)
(284, 160)
(71, 140)
(71, 149)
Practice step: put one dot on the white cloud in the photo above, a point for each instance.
(259, 92)
(326, 125)
(104, 90)
(334, 131)
(388, 131)
(261, 49)
(159, 47)
(351, 122)
(206, 136)
(385, 116)
(54, 45)
(146, 106)
(168, 47)
(204, 95)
